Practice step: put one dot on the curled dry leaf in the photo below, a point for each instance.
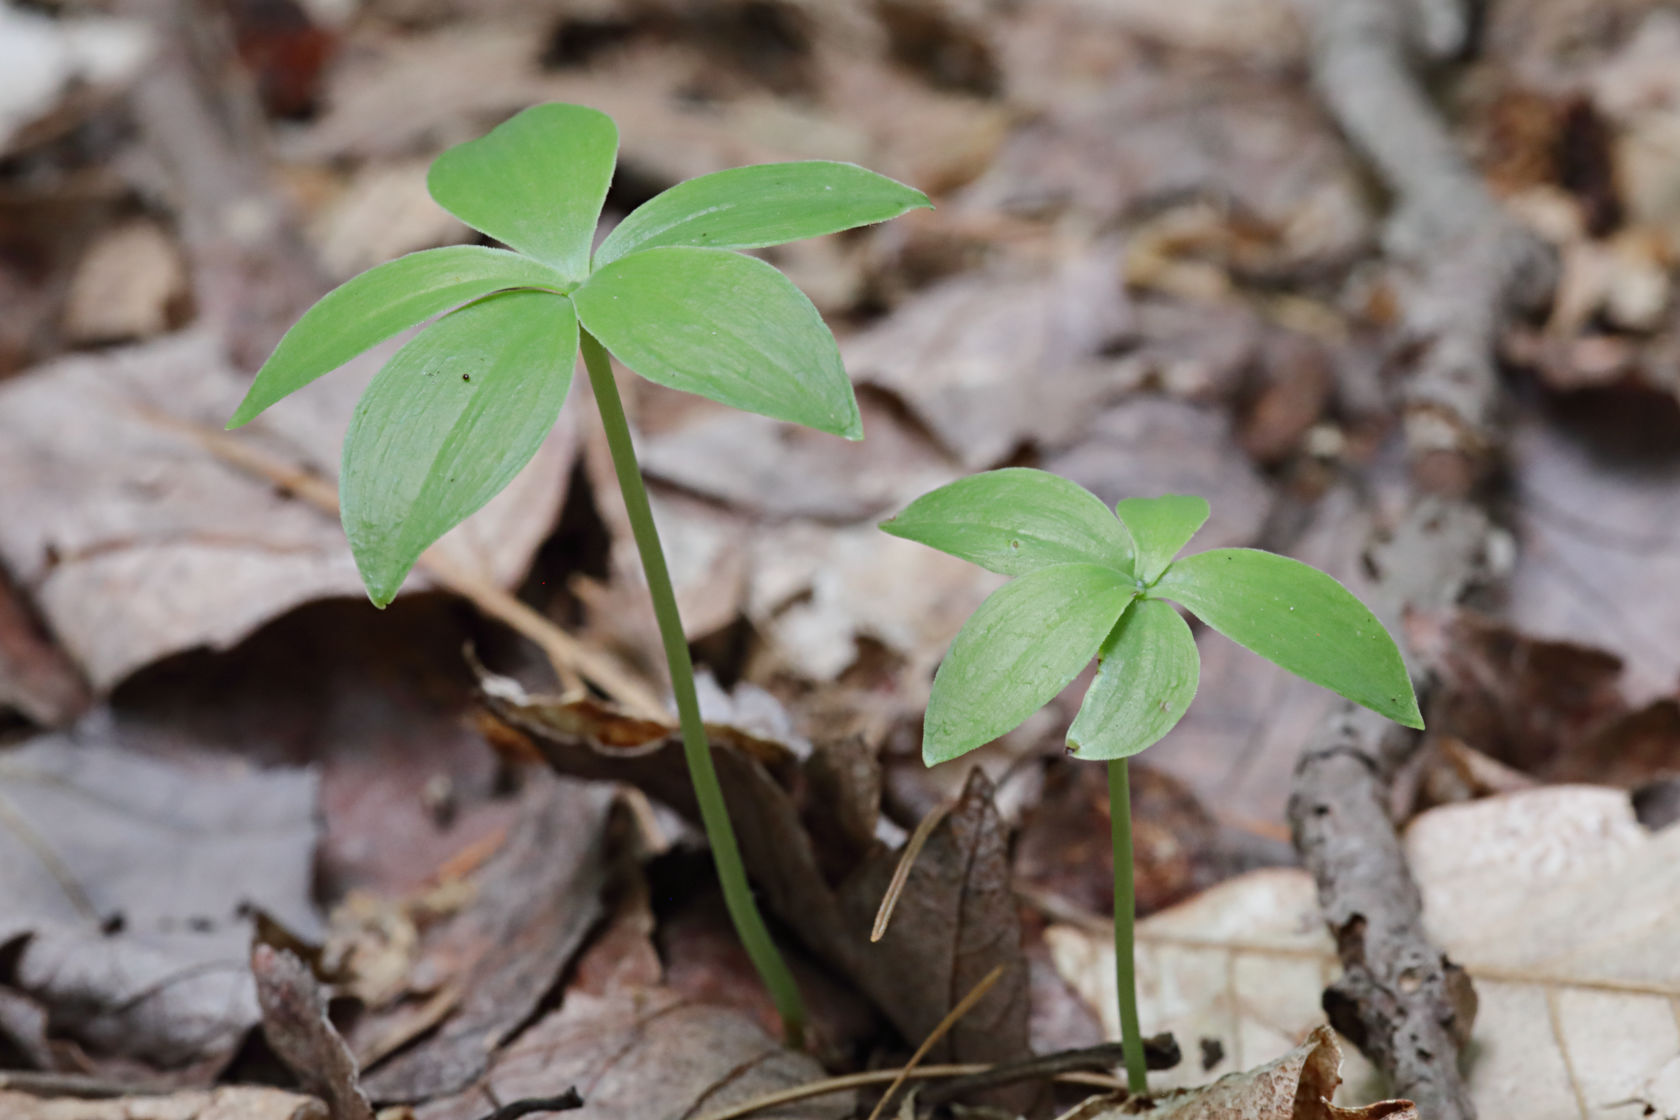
(136, 541)
(956, 922)
(1525, 891)
(128, 882)
(1298, 1085)
(294, 1020)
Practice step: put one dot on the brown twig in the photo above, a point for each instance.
(1400, 1000)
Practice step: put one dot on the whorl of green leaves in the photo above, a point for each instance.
(459, 410)
(1095, 584)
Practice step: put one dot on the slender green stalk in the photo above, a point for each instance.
(1125, 913)
(714, 814)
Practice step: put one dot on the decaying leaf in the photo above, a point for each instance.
(136, 541)
(957, 919)
(129, 881)
(1555, 900)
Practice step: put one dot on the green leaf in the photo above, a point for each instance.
(447, 423)
(1295, 615)
(1160, 527)
(1014, 654)
(535, 182)
(724, 326)
(746, 207)
(363, 312)
(1016, 520)
(1146, 678)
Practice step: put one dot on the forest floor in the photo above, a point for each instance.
(1391, 286)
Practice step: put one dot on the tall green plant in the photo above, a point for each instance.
(1091, 583)
(449, 421)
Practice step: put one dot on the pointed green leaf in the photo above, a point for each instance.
(535, 182)
(1014, 654)
(366, 310)
(724, 326)
(1016, 520)
(447, 424)
(1160, 527)
(746, 207)
(1146, 678)
(1295, 615)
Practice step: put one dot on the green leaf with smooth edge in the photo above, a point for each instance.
(1014, 521)
(385, 300)
(1160, 527)
(447, 424)
(1293, 614)
(747, 207)
(723, 326)
(1014, 654)
(535, 182)
(1146, 678)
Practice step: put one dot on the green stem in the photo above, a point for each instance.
(714, 814)
(1125, 913)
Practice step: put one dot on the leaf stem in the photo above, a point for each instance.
(1125, 914)
(714, 813)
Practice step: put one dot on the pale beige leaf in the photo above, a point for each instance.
(136, 541)
(234, 1102)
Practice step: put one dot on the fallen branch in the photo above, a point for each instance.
(1472, 268)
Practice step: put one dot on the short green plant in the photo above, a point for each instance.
(1094, 583)
(449, 421)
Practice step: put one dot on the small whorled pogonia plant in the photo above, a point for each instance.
(449, 421)
(1094, 583)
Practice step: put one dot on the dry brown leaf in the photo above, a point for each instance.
(495, 958)
(988, 363)
(233, 1102)
(645, 1053)
(957, 920)
(135, 541)
(1598, 499)
(130, 881)
(1556, 901)
(37, 680)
